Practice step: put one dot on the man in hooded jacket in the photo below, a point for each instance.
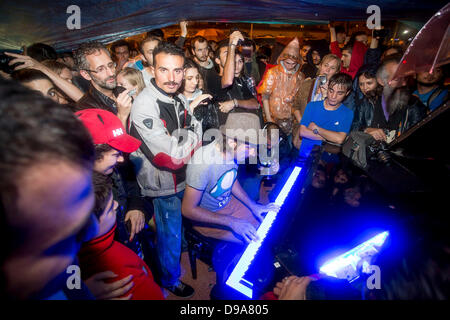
(280, 86)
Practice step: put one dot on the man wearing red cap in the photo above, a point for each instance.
(110, 140)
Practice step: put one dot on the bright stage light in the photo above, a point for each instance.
(346, 266)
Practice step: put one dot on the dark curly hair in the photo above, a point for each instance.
(84, 50)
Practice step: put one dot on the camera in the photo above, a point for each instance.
(380, 152)
(382, 33)
(240, 41)
(118, 90)
(4, 63)
(322, 80)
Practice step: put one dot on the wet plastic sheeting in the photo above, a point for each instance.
(23, 22)
(430, 48)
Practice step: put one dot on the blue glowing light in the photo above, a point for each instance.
(346, 265)
(236, 280)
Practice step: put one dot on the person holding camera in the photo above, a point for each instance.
(95, 65)
(392, 111)
(231, 89)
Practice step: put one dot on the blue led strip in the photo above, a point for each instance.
(235, 280)
(351, 258)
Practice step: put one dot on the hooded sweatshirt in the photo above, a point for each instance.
(280, 86)
(357, 60)
(161, 160)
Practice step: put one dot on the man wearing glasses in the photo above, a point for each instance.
(95, 65)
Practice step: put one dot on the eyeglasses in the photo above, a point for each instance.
(112, 66)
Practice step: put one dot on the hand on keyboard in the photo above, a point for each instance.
(244, 228)
(259, 209)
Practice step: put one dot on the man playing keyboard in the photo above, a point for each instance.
(213, 199)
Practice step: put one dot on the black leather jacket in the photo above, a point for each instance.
(97, 100)
(363, 117)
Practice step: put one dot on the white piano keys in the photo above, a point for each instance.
(236, 280)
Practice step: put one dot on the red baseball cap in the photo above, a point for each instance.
(105, 127)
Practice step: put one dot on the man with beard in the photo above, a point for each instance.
(429, 89)
(95, 65)
(121, 52)
(319, 48)
(388, 115)
(200, 54)
(280, 86)
(159, 117)
(306, 46)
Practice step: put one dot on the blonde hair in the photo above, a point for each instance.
(134, 77)
(331, 56)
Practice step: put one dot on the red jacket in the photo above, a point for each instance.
(357, 60)
(103, 254)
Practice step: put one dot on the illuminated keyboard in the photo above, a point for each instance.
(236, 279)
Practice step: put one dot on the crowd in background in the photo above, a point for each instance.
(95, 174)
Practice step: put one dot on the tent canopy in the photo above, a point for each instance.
(23, 22)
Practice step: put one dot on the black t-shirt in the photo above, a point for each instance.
(379, 120)
(207, 75)
(238, 90)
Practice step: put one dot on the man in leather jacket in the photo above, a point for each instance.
(395, 110)
(95, 65)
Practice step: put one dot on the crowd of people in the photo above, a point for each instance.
(107, 151)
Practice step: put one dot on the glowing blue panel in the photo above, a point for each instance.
(346, 265)
(235, 280)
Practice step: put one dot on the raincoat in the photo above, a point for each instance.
(280, 86)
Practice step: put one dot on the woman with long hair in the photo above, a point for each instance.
(190, 87)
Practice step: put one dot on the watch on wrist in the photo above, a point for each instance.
(315, 131)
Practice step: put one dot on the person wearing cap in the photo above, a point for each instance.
(213, 199)
(111, 141)
(162, 120)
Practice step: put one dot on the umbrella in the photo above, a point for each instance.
(430, 48)
(211, 34)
